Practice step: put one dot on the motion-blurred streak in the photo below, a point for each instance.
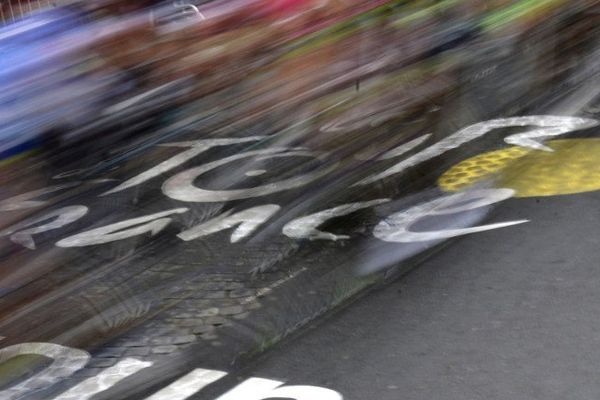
(174, 170)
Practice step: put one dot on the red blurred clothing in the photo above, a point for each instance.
(286, 6)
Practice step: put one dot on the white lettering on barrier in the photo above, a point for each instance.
(152, 224)
(551, 126)
(104, 380)
(197, 147)
(396, 151)
(181, 186)
(188, 385)
(404, 148)
(306, 227)
(62, 216)
(65, 362)
(263, 389)
(248, 220)
(396, 227)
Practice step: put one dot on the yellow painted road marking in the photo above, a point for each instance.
(573, 167)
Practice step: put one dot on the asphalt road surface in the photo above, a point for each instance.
(506, 314)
